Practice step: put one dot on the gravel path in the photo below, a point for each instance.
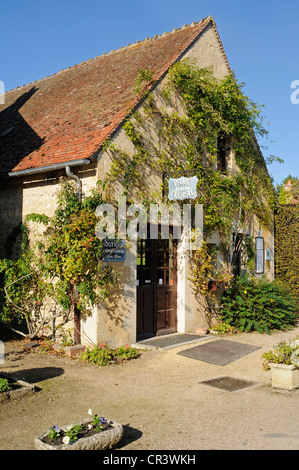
(159, 398)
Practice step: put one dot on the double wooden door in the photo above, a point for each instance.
(156, 287)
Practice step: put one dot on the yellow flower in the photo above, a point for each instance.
(245, 291)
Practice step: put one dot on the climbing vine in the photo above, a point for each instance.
(287, 247)
(177, 130)
(60, 270)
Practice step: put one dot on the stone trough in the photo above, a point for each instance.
(19, 388)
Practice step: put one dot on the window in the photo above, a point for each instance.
(221, 153)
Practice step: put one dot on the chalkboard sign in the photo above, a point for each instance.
(114, 250)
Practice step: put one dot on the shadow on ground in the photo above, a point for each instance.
(130, 435)
(36, 374)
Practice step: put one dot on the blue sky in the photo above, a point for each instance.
(42, 37)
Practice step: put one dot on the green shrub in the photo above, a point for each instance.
(258, 305)
(4, 385)
(287, 246)
(104, 355)
(224, 328)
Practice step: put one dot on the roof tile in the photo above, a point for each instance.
(67, 116)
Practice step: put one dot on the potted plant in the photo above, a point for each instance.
(95, 433)
(284, 364)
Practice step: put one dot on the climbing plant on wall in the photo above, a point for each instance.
(287, 246)
(64, 264)
(176, 130)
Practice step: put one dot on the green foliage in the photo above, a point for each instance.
(224, 328)
(104, 355)
(98, 423)
(53, 433)
(73, 254)
(283, 353)
(258, 305)
(188, 141)
(4, 385)
(286, 196)
(287, 247)
(74, 432)
(204, 271)
(65, 265)
(24, 286)
(144, 76)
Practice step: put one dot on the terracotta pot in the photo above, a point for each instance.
(201, 331)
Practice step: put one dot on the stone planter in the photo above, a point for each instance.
(19, 389)
(99, 441)
(285, 377)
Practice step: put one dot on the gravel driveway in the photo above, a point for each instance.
(159, 398)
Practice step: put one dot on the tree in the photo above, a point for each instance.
(288, 192)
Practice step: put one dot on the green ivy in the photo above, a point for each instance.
(193, 109)
(287, 246)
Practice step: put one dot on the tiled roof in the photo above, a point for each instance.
(67, 116)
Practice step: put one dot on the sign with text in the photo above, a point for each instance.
(259, 255)
(114, 250)
(182, 188)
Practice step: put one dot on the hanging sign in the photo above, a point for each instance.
(259, 255)
(114, 250)
(182, 188)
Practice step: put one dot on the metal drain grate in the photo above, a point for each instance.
(228, 383)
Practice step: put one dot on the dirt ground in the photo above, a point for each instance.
(158, 398)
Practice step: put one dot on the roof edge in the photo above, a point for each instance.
(43, 169)
(114, 51)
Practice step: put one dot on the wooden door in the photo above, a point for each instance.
(145, 289)
(156, 287)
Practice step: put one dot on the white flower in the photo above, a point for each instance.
(295, 358)
(90, 426)
(66, 440)
(69, 427)
(89, 412)
(295, 344)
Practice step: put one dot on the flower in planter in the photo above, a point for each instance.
(283, 353)
(295, 344)
(54, 432)
(295, 357)
(92, 434)
(66, 440)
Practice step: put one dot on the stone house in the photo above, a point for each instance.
(57, 126)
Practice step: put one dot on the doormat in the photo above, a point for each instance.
(169, 341)
(229, 383)
(219, 352)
